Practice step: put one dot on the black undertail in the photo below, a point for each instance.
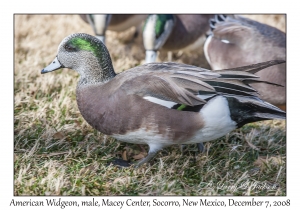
(245, 110)
(188, 108)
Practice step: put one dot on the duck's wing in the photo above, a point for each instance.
(186, 84)
(174, 82)
(238, 29)
(231, 29)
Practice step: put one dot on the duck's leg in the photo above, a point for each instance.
(200, 147)
(182, 146)
(170, 55)
(153, 149)
(120, 163)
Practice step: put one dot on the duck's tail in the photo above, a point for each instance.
(216, 19)
(252, 109)
(213, 21)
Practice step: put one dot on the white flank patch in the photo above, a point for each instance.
(216, 116)
(168, 104)
(205, 48)
(215, 113)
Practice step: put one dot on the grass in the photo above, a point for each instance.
(76, 163)
(57, 153)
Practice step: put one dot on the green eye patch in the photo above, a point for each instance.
(82, 44)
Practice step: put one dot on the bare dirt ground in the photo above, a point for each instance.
(58, 153)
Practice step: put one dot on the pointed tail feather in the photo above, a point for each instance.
(254, 67)
(237, 81)
(250, 81)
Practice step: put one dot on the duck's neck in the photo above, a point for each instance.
(97, 70)
(96, 78)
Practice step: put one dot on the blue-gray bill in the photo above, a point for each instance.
(54, 65)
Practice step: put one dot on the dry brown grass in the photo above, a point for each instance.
(58, 153)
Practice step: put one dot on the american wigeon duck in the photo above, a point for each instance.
(174, 32)
(160, 104)
(237, 41)
(102, 22)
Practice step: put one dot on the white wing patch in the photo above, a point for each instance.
(204, 97)
(168, 104)
(225, 41)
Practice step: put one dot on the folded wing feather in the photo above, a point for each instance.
(181, 83)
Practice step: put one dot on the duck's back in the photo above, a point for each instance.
(187, 29)
(240, 41)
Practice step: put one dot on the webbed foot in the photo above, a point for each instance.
(120, 163)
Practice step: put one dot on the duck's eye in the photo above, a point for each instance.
(69, 48)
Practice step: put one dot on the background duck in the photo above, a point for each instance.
(170, 32)
(235, 41)
(160, 104)
(115, 22)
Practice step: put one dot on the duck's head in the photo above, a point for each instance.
(85, 54)
(156, 31)
(99, 24)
